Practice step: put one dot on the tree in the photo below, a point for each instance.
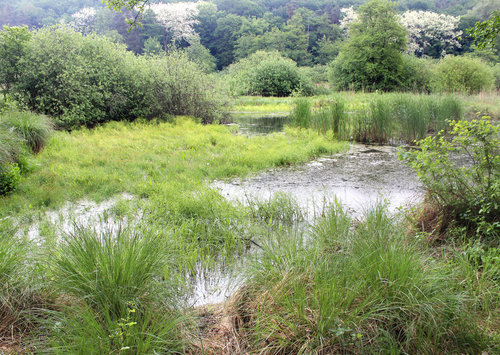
(485, 33)
(372, 55)
(13, 41)
(431, 34)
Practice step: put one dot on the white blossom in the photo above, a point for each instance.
(84, 20)
(426, 28)
(178, 19)
(349, 16)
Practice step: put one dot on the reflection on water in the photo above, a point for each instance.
(256, 124)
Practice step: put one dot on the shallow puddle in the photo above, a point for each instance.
(358, 179)
(259, 124)
(81, 214)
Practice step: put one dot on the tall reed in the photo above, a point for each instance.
(302, 113)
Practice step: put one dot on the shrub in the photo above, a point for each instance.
(463, 74)
(88, 80)
(32, 128)
(466, 194)
(175, 86)
(10, 176)
(417, 74)
(268, 74)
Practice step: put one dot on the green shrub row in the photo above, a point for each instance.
(452, 74)
(88, 80)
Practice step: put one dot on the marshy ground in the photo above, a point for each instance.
(210, 240)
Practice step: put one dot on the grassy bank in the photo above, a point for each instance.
(486, 102)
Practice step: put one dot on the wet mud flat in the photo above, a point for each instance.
(358, 179)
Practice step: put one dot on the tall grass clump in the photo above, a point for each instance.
(302, 113)
(331, 115)
(280, 209)
(350, 289)
(32, 128)
(20, 296)
(413, 116)
(114, 280)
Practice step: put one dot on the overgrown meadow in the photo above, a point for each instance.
(110, 221)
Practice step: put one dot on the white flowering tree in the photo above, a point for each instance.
(84, 20)
(431, 34)
(348, 16)
(178, 20)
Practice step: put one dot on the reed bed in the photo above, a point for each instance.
(384, 118)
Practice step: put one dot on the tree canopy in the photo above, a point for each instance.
(372, 56)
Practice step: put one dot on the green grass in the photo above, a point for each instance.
(33, 129)
(382, 118)
(119, 299)
(153, 160)
(262, 104)
(350, 289)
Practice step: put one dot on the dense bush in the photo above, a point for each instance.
(463, 74)
(417, 74)
(87, 80)
(172, 85)
(268, 74)
(465, 191)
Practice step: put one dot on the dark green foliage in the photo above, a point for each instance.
(463, 74)
(275, 79)
(466, 193)
(13, 42)
(371, 59)
(486, 32)
(80, 80)
(90, 80)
